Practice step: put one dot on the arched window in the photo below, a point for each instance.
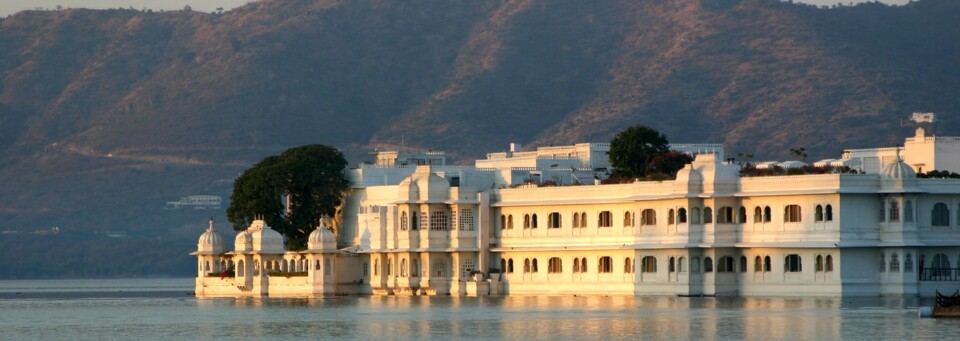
(649, 264)
(766, 263)
(908, 211)
(583, 219)
(766, 214)
(554, 220)
(576, 220)
(883, 262)
(526, 265)
(725, 215)
(829, 213)
(695, 264)
(555, 265)
(742, 215)
(605, 265)
(708, 264)
(403, 267)
(695, 215)
(792, 263)
(403, 221)
(627, 219)
(376, 267)
(533, 223)
(894, 263)
(671, 266)
(240, 268)
(605, 219)
(883, 211)
(583, 264)
(503, 265)
(757, 214)
(670, 217)
(439, 269)
(526, 221)
(317, 265)
(681, 215)
(510, 265)
(818, 213)
(908, 263)
(503, 222)
(576, 265)
(648, 217)
(725, 264)
(940, 266)
(707, 215)
(510, 222)
(894, 210)
(628, 266)
(819, 265)
(791, 214)
(535, 267)
(682, 264)
(389, 267)
(829, 263)
(940, 215)
(743, 263)
(414, 223)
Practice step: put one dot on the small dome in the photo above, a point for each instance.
(689, 175)
(243, 242)
(210, 241)
(434, 186)
(321, 239)
(409, 191)
(898, 170)
(265, 239)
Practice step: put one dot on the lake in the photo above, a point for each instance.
(155, 309)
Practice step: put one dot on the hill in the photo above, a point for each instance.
(106, 115)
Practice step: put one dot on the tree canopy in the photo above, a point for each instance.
(633, 149)
(310, 178)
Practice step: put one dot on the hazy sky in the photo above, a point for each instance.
(8, 7)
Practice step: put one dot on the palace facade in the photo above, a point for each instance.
(538, 223)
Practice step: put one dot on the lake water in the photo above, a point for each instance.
(164, 309)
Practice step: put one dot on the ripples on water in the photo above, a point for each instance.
(166, 309)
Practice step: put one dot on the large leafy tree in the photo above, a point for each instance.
(633, 149)
(311, 178)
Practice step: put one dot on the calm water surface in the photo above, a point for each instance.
(164, 309)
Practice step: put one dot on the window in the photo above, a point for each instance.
(553, 220)
(503, 222)
(682, 265)
(583, 219)
(576, 265)
(414, 221)
(583, 264)
(403, 221)
(627, 219)
(376, 267)
(526, 221)
(707, 215)
(681, 215)
(940, 215)
(466, 219)
(766, 214)
(894, 263)
(725, 215)
(743, 263)
(510, 265)
(725, 264)
(818, 213)
(829, 263)
(819, 265)
(670, 217)
(605, 265)
(940, 266)
(510, 222)
(503, 264)
(403, 267)
(389, 267)
(605, 219)
(757, 214)
(576, 220)
(757, 264)
(628, 266)
(883, 263)
(438, 221)
(708, 264)
(792, 263)
(766, 263)
(533, 221)
(883, 211)
(648, 264)
(908, 263)
(829, 213)
(526, 265)
(648, 217)
(671, 266)
(908, 211)
(439, 269)
(894, 210)
(791, 214)
(742, 215)
(555, 265)
(534, 266)
(695, 215)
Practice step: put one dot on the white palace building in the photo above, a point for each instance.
(538, 223)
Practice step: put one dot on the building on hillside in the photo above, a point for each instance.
(462, 230)
(197, 202)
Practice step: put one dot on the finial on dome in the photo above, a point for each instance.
(898, 154)
(211, 224)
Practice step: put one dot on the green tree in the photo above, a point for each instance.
(632, 150)
(310, 178)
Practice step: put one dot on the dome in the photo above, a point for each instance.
(687, 174)
(435, 187)
(210, 241)
(265, 239)
(898, 170)
(409, 191)
(243, 242)
(321, 239)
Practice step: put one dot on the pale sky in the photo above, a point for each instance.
(8, 7)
